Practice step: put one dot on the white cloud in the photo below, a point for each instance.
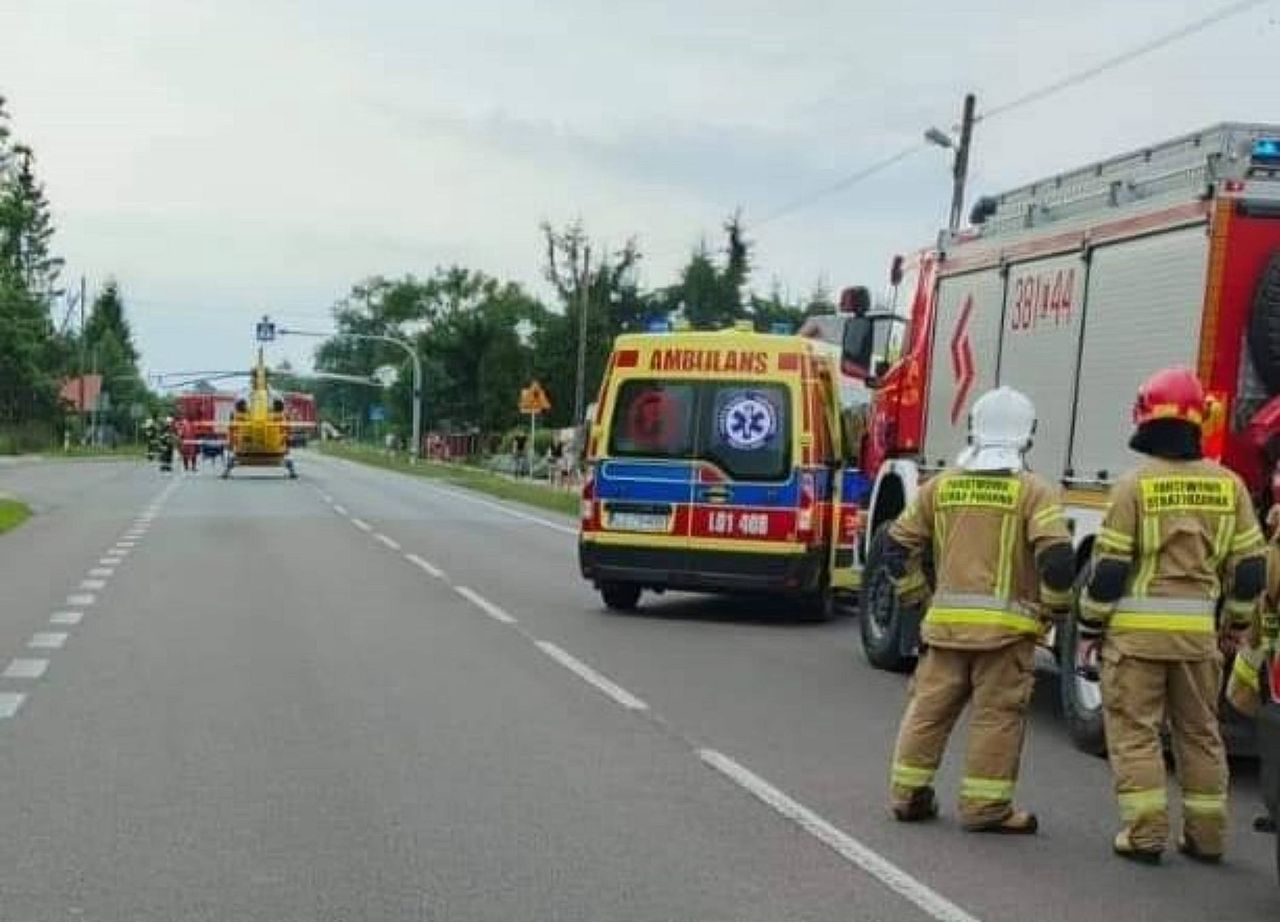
(249, 155)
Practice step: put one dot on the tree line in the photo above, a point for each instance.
(482, 339)
(40, 345)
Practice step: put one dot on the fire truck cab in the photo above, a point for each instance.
(1073, 289)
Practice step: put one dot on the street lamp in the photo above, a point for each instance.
(960, 165)
(396, 341)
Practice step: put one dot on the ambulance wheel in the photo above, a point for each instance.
(620, 596)
(1080, 696)
(882, 620)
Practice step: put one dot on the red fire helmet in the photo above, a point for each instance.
(1171, 393)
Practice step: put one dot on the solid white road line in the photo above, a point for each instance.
(93, 584)
(395, 546)
(47, 640)
(587, 674)
(843, 844)
(341, 510)
(66, 617)
(84, 598)
(26, 669)
(102, 571)
(480, 602)
(425, 565)
(10, 702)
(362, 524)
(514, 513)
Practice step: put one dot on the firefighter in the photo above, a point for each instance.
(149, 435)
(1180, 530)
(1004, 567)
(167, 444)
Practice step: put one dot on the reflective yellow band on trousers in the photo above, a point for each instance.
(993, 789)
(911, 776)
(1214, 804)
(1246, 673)
(1134, 804)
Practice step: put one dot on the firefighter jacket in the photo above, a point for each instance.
(1177, 534)
(990, 534)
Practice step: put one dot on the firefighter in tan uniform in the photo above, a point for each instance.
(1003, 561)
(1180, 530)
(1244, 686)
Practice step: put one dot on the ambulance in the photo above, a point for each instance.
(724, 462)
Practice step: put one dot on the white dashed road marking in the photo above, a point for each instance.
(102, 571)
(426, 565)
(82, 599)
(93, 584)
(48, 640)
(388, 542)
(113, 560)
(341, 510)
(362, 524)
(66, 617)
(126, 544)
(514, 513)
(480, 602)
(587, 674)
(10, 702)
(843, 844)
(26, 669)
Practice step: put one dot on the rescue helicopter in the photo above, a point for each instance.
(258, 434)
(259, 428)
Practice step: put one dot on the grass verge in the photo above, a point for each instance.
(12, 514)
(520, 491)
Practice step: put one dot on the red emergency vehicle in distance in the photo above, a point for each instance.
(300, 408)
(208, 415)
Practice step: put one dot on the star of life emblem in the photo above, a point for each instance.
(748, 422)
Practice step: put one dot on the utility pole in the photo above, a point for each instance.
(82, 344)
(960, 169)
(584, 285)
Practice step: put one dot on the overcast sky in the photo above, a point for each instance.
(224, 158)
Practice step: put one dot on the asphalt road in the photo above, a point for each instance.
(364, 696)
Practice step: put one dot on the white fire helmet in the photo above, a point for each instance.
(1001, 424)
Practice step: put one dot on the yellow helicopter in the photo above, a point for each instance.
(258, 433)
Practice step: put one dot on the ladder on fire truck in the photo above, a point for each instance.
(1184, 169)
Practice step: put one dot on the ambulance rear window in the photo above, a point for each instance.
(653, 419)
(742, 427)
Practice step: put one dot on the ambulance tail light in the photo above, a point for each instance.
(806, 509)
(1214, 438)
(589, 502)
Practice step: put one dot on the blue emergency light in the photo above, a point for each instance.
(781, 328)
(659, 326)
(1266, 150)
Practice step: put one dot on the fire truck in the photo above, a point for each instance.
(1073, 289)
(208, 415)
(300, 408)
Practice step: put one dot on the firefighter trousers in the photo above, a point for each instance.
(998, 686)
(1138, 695)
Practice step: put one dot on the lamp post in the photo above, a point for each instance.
(960, 165)
(396, 341)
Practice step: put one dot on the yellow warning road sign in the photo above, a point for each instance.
(533, 399)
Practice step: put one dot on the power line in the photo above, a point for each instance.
(1119, 60)
(1036, 95)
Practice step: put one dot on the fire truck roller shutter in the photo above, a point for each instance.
(1264, 326)
(966, 339)
(1142, 312)
(1040, 347)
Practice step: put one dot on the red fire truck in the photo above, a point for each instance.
(300, 408)
(208, 415)
(1073, 289)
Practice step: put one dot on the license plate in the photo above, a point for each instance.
(638, 521)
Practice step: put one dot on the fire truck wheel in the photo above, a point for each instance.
(882, 620)
(620, 596)
(1080, 696)
(1264, 325)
